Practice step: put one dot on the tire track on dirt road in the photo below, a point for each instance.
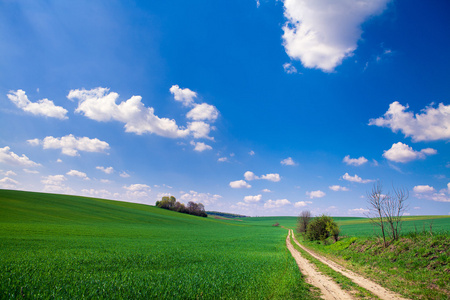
(369, 285)
(330, 290)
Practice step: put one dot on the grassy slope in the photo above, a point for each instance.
(75, 247)
(418, 265)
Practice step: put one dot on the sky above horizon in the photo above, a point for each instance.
(260, 108)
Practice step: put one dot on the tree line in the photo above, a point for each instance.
(192, 208)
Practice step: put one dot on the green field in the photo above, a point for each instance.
(55, 246)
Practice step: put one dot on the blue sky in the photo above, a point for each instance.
(252, 107)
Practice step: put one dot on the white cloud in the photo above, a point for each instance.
(186, 96)
(8, 183)
(239, 184)
(78, 174)
(200, 130)
(204, 198)
(59, 160)
(288, 162)
(289, 68)
(358, 211)
(267, 191)
(203, 111)
(250, 176)
(402, 153)
(43, 107)
(252, 199)
(274, 177)
(53, 179)
(124, 174)
(355, 178)
(137, 187)
(11, 158)
(200, 147)
(7, 173)
(322, 33)
(338, 188)
(423, 189)
(100, 105)
(271, 177)
(276, 203)
(430, 125)
(355, 161)
(97, 193)
(34, 142)
(222, 159)
(107, 170)
(302, 203)
(315, 194)
(251, 153)
(70, 145)
(105, 181)
(30, 171)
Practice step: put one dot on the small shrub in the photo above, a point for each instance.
(321, 228)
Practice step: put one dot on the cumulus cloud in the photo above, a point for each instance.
(200, 147)
(250, 176)
(30, 171)
(200, 130)
(239, 184)
(402, 153)
(70, 145)
(100, 105)
(354, 161)
(43, 107)
(431, 124)
(137, 187)
(267, 191)
(53, 179)
(289, 68)
(222, 159)
(423, 189)
(8, 183)
(251, 153)
(124, 174)
(107, 170)
(302, 203)
(322, 33)
(358, 211)
(11, 158)
(185, 96)
(338, 188)
(355, 178)
(288, 162)
(276, 203)
(97, 193)
(203, 112)
(429, 193)
(274, 177)
(7, 173)
(315, 194)
(252, 199)
(78, 174)
(204, 198)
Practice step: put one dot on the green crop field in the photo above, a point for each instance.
(55, 246)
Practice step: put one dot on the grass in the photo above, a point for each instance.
(344, 282)
(417, 265)
(57, 246)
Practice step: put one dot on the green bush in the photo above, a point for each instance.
(321, 228)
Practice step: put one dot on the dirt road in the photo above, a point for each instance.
(330, 290)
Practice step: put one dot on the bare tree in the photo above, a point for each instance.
(376, 200)
(386, 210)
(303, 221)
(393, 209)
